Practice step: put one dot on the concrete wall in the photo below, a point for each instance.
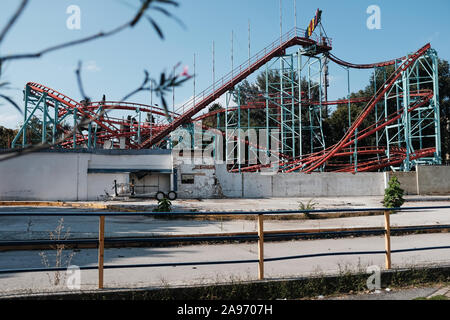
(75, 175)
(39, 176)
(151, 183)
(81, 175)
(328, 184)
(426, 180)
(433, 180)
(205, 182)
(256, 185)
(408, 181)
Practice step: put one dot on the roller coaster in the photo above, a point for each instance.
(397, 127)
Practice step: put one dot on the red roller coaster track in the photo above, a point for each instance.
(154, 133)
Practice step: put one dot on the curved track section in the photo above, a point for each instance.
(331, 152)
(109, 128)
(152, 132)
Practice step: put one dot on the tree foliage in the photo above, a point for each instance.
(393, 195)
(6, 137)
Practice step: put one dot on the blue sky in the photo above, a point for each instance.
(114, 66)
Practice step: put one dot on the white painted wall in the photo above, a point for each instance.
(64, 176)
(39, 176)
(100, 185)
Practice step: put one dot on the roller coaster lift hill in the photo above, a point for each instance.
(400, 120)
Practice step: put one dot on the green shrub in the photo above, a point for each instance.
(164, 205)
(393, 195)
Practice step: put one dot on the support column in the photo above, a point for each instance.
(74, 128)
(44, 120)
(55, 122)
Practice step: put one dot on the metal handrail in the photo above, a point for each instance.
(187, 213)
(259, 237)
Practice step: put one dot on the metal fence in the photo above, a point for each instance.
(259, 237)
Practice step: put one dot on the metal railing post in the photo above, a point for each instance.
(261, 247)
(101, 250)
(387, 238)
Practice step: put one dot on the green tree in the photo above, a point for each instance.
(393, 195)
(212, 121)
(444, 102)
(6, 137)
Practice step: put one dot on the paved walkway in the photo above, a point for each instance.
(87, 226)
(207, 274)
(23, 228)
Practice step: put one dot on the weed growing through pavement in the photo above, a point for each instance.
(310, 205)
(60, 259)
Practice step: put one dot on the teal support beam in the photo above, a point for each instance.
(139, 125)
(292, 127)
(90, 135)
(282, 115)
(55, 122)
(267, 112)
(24, 136)
(239, 151)
(437, 116)
(349, 105)
(397, 95)
(44, 120)
(95, 136)
(356, 150)
(406, 120)
(75, 124)
(376, 105)
(25, 124)
(299, 74)
(419, 111)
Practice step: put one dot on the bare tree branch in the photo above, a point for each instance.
(11, 101)
(130, 24)
(161, 89)
(80, 82)
(141, 88)
(166, 83)
(13, 19)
